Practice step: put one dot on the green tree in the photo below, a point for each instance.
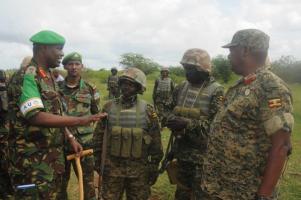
(221, 68)
(288, 68)
(147, 65)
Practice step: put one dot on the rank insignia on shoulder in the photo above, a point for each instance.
(274, 103)
(249, 79)
(42, 73)
(31, 70)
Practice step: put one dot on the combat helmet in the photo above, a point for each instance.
(114, 69)
(164, 69)
(134, 75)
(197, 57)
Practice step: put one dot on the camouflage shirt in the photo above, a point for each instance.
(81, 100)
(152, 152)
(34, 150)
(239, 141)
(206, 101)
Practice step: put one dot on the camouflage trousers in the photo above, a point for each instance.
(87, 164)
(43, 190)
(135, 188)
(187, 175)
(42, 168)
(6, 189)
(114, 93)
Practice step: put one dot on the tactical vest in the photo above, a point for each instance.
(193, 103)
(164, 85)
(113, 81)
(126, 130)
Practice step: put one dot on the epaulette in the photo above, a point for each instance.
(91, 85)
(249, 79)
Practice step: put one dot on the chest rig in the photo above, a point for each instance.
(164, 85)
(193, 102)
(127, 130)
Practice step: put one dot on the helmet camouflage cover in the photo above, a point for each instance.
(164, 69)
(197, 57)
(134, 75)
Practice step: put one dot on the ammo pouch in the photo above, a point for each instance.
(190, 113)
(126, 142)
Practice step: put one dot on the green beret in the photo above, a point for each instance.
(48, 38)
(74, 56)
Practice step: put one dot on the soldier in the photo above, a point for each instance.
(35, 137)
(112, 84)
(131, 137)
(194, 104)
(162, 93)
(82, 99)
(249, 139)
(5, 186)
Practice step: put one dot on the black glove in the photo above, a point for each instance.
(153, 174)
(177, 123)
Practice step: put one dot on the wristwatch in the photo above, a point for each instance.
(70, 136)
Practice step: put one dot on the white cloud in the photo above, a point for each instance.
(159, 29)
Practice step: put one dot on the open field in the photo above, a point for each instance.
(290, 186)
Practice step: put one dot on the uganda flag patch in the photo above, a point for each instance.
(274, 103)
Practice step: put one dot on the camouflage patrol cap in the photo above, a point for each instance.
(135, 75)
(2, 75)
(255, 39)
(197, 57)
(47, 37)
(74, 56)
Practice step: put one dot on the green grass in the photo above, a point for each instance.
(290, 185)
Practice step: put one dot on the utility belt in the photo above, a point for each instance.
(128, 142)
(190, 113)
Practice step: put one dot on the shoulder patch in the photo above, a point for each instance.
(31, 70)
(274, 103)
(151, 112)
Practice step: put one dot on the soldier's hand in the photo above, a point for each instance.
(77, 148)
(177, 123)
(93, 118)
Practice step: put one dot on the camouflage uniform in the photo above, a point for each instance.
(112, 85)
(198, 105)
(5, 186)
(36, 153)
(134, 148)
(162, 95)
(255, 108)
(81, 101)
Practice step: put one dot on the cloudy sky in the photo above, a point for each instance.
(102, 30)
